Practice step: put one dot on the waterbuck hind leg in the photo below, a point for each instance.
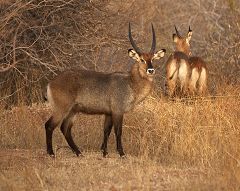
(202, 83)
(66, 128)
(50, 125)
(172, 86)
(107, 130)
(117, 122)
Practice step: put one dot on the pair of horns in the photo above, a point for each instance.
(178, 34)
(135, 46)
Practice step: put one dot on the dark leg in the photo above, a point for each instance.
(117, 122)
(50, 125)
(66, 129)
(107, 130)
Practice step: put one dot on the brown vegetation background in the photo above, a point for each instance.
(191, 145)
(40, 38)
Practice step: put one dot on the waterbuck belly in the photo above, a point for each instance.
(93, 101)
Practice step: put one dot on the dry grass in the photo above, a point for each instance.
(191, 145)
(182, 145)
(32, 170)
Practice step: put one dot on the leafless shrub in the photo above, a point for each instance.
(40, 38)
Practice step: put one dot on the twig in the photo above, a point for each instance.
(14, 63)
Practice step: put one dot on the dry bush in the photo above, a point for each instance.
(40, 38)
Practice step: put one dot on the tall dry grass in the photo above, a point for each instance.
(202, 134)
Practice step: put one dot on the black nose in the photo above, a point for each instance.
(150, 71)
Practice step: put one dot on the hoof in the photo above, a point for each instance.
(105, 154)
(79, 155)
(121, 153)
(52, 155)
(123, 156)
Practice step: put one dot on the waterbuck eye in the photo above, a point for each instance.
(143, 61)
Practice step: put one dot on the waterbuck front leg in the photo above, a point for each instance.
(66, 129)
(117, 122)
(107, 130)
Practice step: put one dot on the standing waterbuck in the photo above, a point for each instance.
(191, 70)
(198, 79)
(178, 68)
(91, 92)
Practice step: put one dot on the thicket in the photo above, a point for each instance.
(39, 38)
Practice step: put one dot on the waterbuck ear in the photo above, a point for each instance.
(159, 54)
(133, 54)
(189, 36)
(175, 38)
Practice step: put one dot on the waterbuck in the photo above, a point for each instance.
(191, 70)
(91, 92)
(198, 79)
(178, 68)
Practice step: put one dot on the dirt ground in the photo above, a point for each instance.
(34, 170)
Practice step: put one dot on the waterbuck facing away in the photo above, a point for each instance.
(178, 68)
(111, 94)
(188, 72)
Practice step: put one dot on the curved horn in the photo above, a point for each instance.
(178, 34)
(153, 40)
(132, 41)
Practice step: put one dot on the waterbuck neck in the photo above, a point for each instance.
(141, 83)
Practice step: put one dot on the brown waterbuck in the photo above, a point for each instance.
(191, 70)
(178, 68)
(198, 79)
(91, 92)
